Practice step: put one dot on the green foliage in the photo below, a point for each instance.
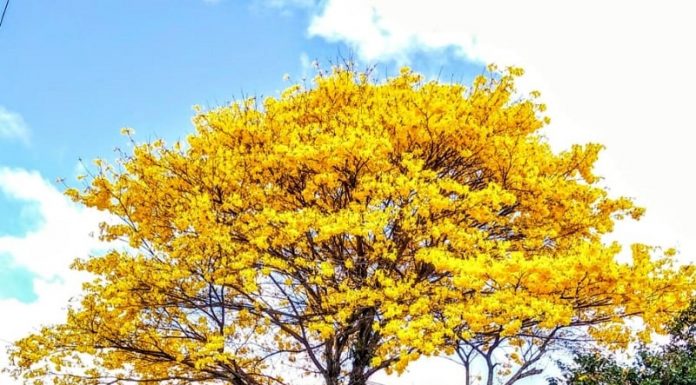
(672, 364)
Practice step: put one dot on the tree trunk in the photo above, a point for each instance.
(491, 370)
(363, 348)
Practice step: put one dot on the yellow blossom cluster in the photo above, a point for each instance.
(355, 225)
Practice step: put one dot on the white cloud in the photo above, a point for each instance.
(13, 126)
(617, 72)
(306, 66)
(64, 233)
(47, 252)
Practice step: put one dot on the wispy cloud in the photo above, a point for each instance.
(290, 3)
(13, 126)
(307, 66)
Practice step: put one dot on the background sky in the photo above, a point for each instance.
(72, 73)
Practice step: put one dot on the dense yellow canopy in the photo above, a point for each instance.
(350, 227)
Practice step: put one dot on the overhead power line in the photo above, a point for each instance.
(4, 11)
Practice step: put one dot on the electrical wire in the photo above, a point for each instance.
(2, 18)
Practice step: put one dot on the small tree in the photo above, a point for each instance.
(347, 228)
(672, 364)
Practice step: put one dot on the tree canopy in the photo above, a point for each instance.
(671, 364)
(347, 227)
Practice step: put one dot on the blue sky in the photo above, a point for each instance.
(77, 71)
(73, 72)
(16, 281)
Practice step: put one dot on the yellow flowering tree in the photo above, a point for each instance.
(347, 228)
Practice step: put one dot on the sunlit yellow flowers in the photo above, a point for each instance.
(350, 226)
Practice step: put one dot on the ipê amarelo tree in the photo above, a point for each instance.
(345, 228)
